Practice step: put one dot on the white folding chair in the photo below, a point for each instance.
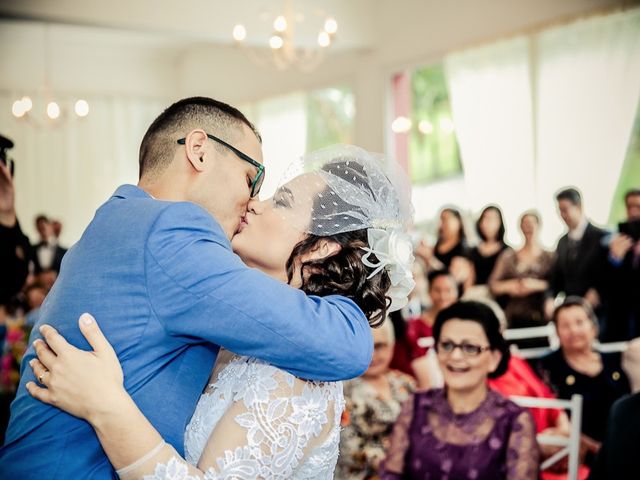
(571, 445)
(548, 331)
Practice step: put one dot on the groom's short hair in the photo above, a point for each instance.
(159, 143)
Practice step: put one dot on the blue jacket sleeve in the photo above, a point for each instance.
(201, 291)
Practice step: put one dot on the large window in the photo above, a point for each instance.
(630, 176)
(424, 129)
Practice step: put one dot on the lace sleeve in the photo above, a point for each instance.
(162, 463)
(274, 424)
(523, 454)
(393, 466)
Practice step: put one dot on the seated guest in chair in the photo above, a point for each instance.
(576, 367)
(465, 430)
(443, 292)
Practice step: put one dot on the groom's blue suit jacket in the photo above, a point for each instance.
(166, 289)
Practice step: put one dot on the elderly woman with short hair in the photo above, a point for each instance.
(578, 368)
(465, 430)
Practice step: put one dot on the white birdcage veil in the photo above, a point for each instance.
(350, 189)
(344, 188)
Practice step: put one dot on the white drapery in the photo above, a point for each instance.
(67, 169)
(490, 93)
(282, 123)
(529, 123)
(588, 87)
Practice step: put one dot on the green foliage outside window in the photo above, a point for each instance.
(433, 147)
(630, 175)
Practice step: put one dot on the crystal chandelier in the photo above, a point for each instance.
(284, 54)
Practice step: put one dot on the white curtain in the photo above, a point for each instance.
(587, 91)
(67, 169)
(490, 94)
(282, 122)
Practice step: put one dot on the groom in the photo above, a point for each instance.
(156, 268)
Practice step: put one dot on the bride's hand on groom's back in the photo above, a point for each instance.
(86, 384)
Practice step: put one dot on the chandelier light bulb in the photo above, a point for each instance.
(330, 25)
(239, 33)
(82, 108)
(17, 109)
(324, 40)
(276, 42)
(53, 110)
(27, 103)
(280, 24)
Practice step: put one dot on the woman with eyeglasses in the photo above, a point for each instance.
(465, 430)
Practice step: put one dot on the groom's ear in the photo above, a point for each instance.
(194, 146)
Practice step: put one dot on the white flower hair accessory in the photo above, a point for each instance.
(394, 250)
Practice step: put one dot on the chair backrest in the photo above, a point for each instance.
(545, 331)
(571, 445)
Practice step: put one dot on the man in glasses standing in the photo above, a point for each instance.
(155, 266)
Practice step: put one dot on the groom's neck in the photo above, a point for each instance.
(162, 190)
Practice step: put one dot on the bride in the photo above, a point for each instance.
(336, 227)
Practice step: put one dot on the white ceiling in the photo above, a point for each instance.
(164, 23)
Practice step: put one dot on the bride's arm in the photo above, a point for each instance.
(89, 385)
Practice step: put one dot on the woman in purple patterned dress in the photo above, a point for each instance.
(464, 431)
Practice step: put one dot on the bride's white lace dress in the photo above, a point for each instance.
(254, 421)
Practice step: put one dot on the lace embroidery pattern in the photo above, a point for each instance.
(283, 418)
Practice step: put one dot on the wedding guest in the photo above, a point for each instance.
(521, 380)
(373, 403)
(451, 250)
(520, 280)
(443, 292)
(577, 368)
(465, 430)
(623, 276)
(580, 256)
(56, 225)
(14, 245)
(34, 295)
(47, 253)
(490, 229)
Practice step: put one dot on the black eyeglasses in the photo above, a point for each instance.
(467, 349)
(256, 183)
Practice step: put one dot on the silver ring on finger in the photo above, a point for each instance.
(41, 376)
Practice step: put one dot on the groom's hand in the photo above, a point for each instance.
(84, 384)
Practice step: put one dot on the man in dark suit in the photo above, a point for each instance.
(580, 254)
(47, 254)
(623, 275)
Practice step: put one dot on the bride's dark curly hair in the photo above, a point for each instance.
(343, 273)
